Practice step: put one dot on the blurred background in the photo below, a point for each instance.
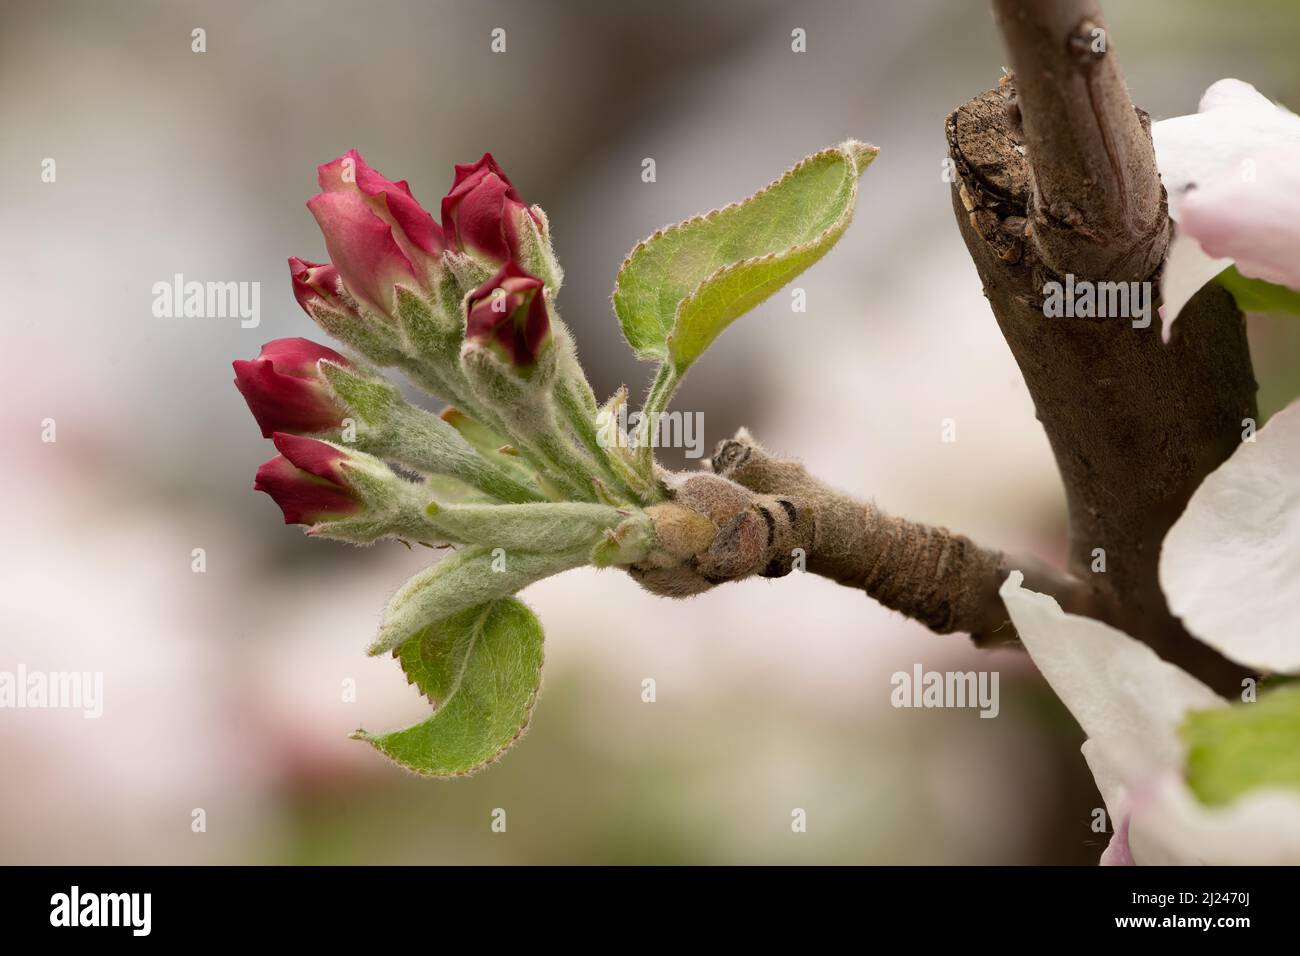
(223, 689)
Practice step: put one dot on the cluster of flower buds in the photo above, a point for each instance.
(335, 491)
(508, 324)
(395, 274)
(466, 307)
(290, 399)
(515, 472)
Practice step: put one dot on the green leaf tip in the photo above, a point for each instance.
(482, 670)
(678, 289)
(862, 153)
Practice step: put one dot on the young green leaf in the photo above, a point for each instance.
(468, 578)
(481, 669)
(681, 287)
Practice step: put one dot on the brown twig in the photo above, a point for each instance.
(1056, 177)
(768, 516)
(1097, 208)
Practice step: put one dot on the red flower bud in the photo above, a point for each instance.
(376, 233)
(508, 313)
(306, 481)
(284, 391)
(480, 213)
(317, 283)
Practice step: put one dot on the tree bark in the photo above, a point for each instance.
(1056, 177)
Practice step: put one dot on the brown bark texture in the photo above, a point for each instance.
(1056, 177)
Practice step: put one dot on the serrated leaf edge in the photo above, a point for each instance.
(837, 229)
(847, 149)
(362, 734)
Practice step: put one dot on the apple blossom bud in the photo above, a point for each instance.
(317, 285)
(284, 389)
(377, 234)
(508, 314)
(323, 296)
(480, 214)
(307, 481)
(414, 230)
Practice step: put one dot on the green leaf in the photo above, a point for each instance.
(469, 578)
(1233, 750)
(1256, 295)
(481, 670)
(681, 287)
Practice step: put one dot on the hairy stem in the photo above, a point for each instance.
(656, 400)
(756, 514)
(942, 579)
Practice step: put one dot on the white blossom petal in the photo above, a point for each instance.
(1230, 565)
(1235, 122)
(1233, 94)
(1116, 687)
(1234, 119)
(1187, 269)
(1118, 852)
(1157, 820)
(1250, 214)
(1169, 826)
(1115, 762)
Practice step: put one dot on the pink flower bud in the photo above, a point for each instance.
(306, 481)
(376, 233)
(317, 283)
(284, 390)
(508, 313)
(1250, 212)
(480, 213)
